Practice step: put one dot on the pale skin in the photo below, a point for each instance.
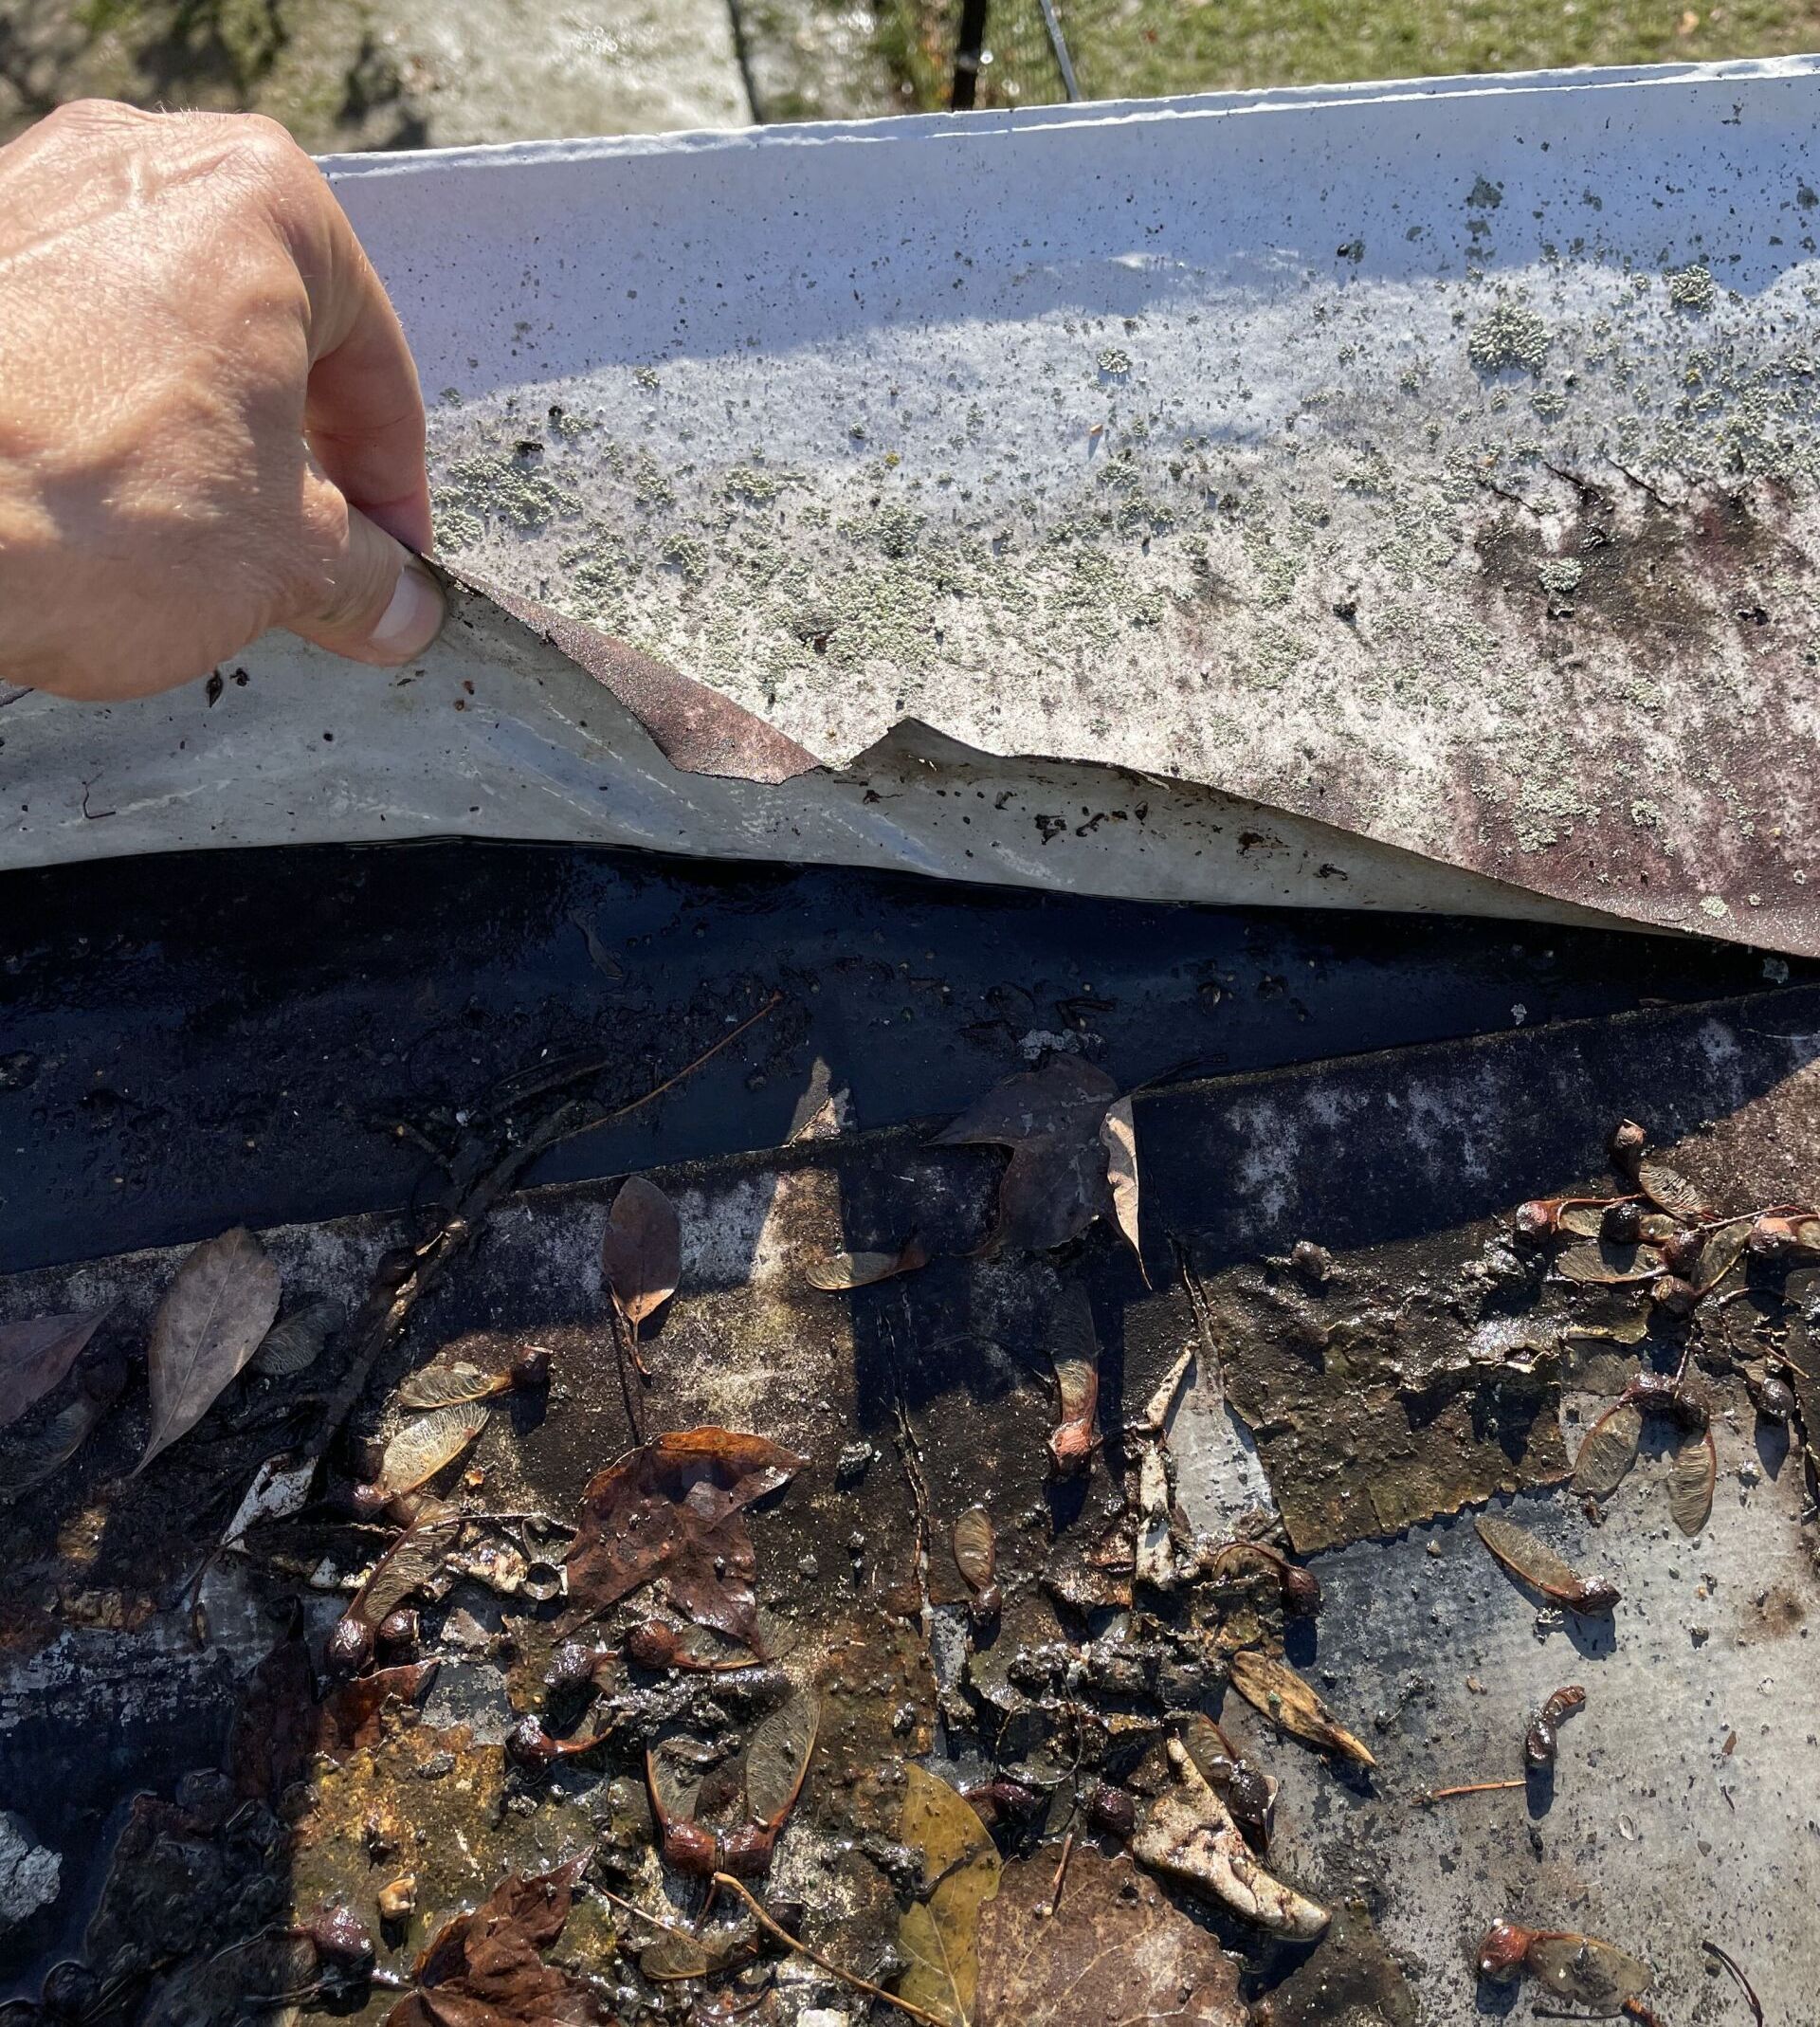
(209, 421)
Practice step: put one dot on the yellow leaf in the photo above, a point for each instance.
(939, 1933)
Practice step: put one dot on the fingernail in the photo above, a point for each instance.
(413, 618)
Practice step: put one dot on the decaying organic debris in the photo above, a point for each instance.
(805, 1728)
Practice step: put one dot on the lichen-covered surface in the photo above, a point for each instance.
(1680, 1805)
(1434, 462)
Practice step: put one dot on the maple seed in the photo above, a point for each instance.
(1774, 1399)
(350, 1646)
(368, 1500)
(1111, 1810)
(1314, 1261)
(397, 1634)
(570, 1666)
(343, 1942)
(1500, 1951)
(1673, 1296)
(1300, 1588)
(397, 1899)
(1681, 1253)
(1622, 1224)
(1539, 1743)
(529, 1746)
(531, 1370)
(1536, 1220)
(1628, 1144)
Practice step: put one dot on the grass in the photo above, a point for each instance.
(1144, 48)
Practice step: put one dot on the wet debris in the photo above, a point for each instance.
(487, 1969)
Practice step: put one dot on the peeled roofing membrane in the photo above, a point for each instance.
(1388, 496)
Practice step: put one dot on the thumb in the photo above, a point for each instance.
(375, 601)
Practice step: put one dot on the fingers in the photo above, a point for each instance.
(364, 410)
(373, 601)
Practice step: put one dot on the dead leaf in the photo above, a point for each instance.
(294, 1343)
(407, 1565)
(1056, 1183)
(485, 1970)
(863, 1269)
(1188, 1834)
(1692, 1474)
(1119, 1132)
(1670, 1191)
(641, 1252)
(219, 1306)
(429, 1444)
(673, 1508)
(1114, 1952)
(352, 1713)
(1274, 1688)
(445, 1383)
(1606, 1264)
(36, 1352)
(939, 1931)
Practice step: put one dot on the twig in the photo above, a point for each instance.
(1469, 1788)
(626, 1392)
(657, 1920)
(1751, 1999)
(814, 1956)
(910, 1457)
(1046, 1908)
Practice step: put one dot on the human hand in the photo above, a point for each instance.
(209, 421)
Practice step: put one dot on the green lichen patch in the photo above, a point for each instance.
(1511, 334)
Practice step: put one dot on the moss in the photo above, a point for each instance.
(1560, 575)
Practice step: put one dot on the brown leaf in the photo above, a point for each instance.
(1274, 1688)
(863, 1269)
(1692, 1472)
(673, 1508)
(485, 1970)
(641, 1252)
(1608, 1452)
(1116, 1952)
(1057, 1182)
(218, 1308)
(939, 1931)
(36, 1352)
(429, 1444)
(447, 1383)
(352, 1713)
(294, 1343)
(407, 1565)
(1670, 1191)
(1118, 1133)
(1606, 1264)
